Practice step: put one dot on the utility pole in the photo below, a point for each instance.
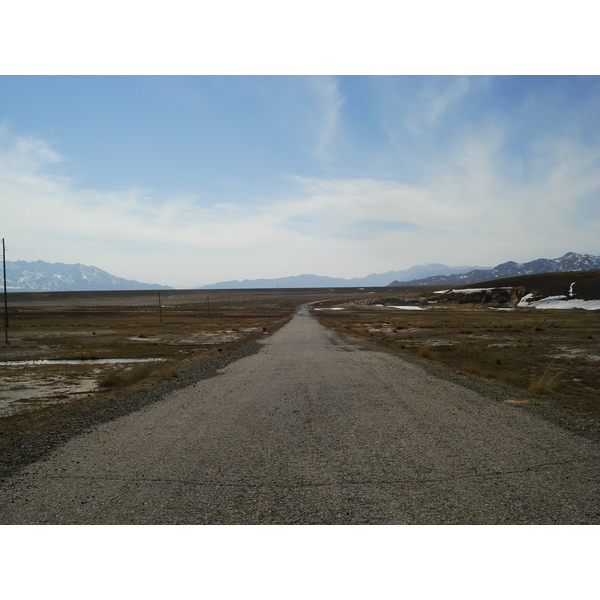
(159, 308)
(5, 297)
(208, 306)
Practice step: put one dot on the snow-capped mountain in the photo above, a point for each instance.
(40, 276)
(569, 262)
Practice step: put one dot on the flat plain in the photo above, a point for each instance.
(542, 354)
(546, 352)
(314, 428)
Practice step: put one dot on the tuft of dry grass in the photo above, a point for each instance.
(121, 380)
(465, 351)
(546, 382)
(87, 356)
(474, 369)
(111, 380)
(168, 374)
(427, 352)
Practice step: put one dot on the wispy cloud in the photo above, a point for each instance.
(24, 154)
(472, 199)
(415, 106)
(328, 102)
(433, 101)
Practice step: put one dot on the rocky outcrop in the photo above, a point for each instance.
(499, 295)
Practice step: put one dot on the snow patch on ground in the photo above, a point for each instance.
(558, 302)
(400, 307)
(565, 352)
(472, 290)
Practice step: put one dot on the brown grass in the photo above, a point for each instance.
(167, 372)
(427, 352)
(547, 382)
(90, 325)
(474, 369)
(87, 356)
(112, 380)
(120, 380)
(511, 346)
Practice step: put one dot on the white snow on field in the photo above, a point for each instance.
(558, 302)
(472, 290)
(334, 308)
(400, 307)
(576, 353)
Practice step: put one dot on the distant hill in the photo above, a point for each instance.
(40, 276)
(321, 281)
(584, 285)
(569, 262)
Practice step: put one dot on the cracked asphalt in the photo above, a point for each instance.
(314, 429)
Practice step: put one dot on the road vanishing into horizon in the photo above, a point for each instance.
(315, 429)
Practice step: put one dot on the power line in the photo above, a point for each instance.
(23, 253)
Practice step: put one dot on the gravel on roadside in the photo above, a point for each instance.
(551, 409)
(31, 441)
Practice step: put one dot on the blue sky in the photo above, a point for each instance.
(196, 179)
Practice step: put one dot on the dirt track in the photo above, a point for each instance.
(314, 429)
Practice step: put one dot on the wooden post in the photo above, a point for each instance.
(5, 297)
(159, 308)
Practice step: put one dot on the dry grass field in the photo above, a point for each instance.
(93, 327)
(146, 341)
(549, 352)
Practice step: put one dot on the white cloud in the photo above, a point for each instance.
(466, 212)
(24, 154)
(328, 103)
(434, 100)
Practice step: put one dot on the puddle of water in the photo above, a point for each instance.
(25, 387)
(17, 396)
(91, 361)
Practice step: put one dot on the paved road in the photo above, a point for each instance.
(314, 429)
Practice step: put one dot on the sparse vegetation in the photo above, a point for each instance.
(427, 352)
(546, 382)
(511, 346)
(112, 380)
(127, 325)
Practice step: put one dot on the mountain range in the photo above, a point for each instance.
(40, 276)
(320, 281)
(569, 262)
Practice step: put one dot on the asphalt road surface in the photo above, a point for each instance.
(314, 429)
